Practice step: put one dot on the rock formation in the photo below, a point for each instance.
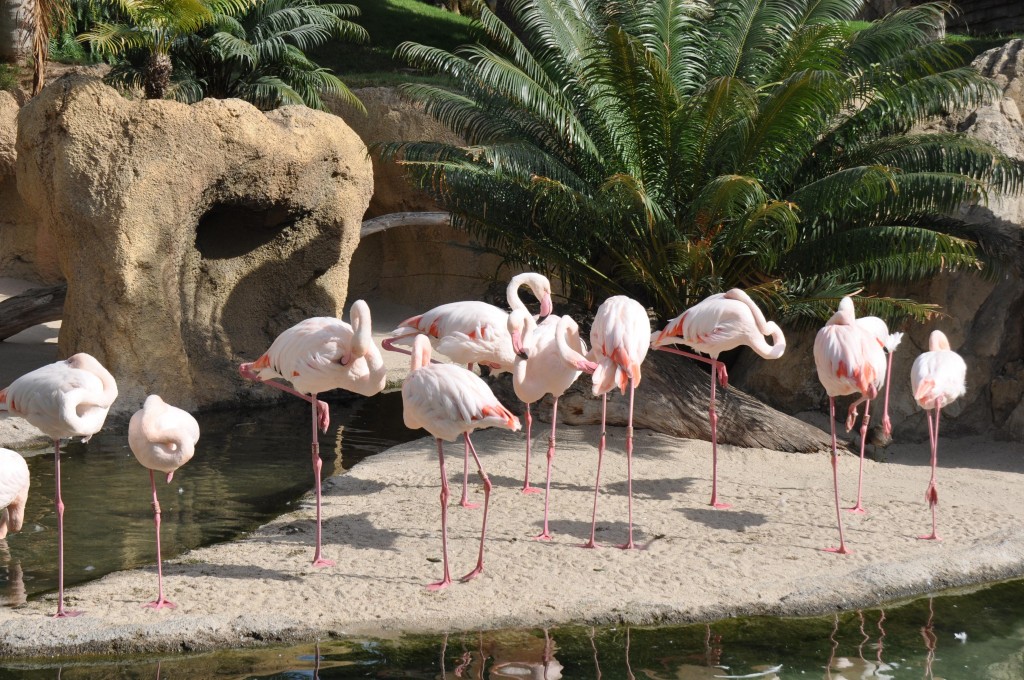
(415, 266)
(190, 236)
(978, 17)
(984, 318)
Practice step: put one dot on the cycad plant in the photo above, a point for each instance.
(260, 56)
(153, 27)
(670, 149)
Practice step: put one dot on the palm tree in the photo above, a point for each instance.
(260, 56)
(670, 149)
(153, 27)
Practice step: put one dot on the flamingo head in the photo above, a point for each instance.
(540, 287)
(420, 352)
(844, 316)
(938, 341)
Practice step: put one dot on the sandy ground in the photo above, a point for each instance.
(382, 526)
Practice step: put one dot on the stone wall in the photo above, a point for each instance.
(977, 17)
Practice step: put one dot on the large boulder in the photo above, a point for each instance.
(983, 317)
(419, 267)
(190, 236)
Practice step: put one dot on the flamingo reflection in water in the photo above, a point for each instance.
(512, 655)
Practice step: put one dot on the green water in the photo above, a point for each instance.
(915, 640)
(249, 466)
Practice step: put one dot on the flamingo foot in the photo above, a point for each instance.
(531, 489)
(469, 506)
(160, 603)
(857, 509)
(841, 550)
(66, 613)
(590, 544)
(723, 375)
(323, 415)
(545, 536)
(720, 506)
(930, 537)
(473, 574)
(886, 426)
(322, 562)
(627, 546)
(440, 585)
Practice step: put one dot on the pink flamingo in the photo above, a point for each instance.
(714, 325)
(619, 339)
(473, 332)
(849, 359)
(550, 359)
(316, 355)
(447, 401)
(68, 398)
(162, 437)
(938, 378)
(14, 483)
(889, 342)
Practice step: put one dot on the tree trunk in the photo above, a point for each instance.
(673, 398)
(32, 307)
(157, 75)
(15, 30)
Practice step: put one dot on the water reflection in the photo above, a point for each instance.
(251, 465)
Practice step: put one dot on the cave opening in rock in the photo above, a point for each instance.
(230, 230)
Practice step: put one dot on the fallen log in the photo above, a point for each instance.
(35, 306)
(673, 399)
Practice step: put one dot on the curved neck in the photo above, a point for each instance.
(774, 350)
(362, 328)
(567, 329)
(512, 293)
(420, 352)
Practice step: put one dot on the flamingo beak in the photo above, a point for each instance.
(546, 306)
(587, 367)
(517, 345)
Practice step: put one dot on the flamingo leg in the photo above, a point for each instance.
(545, 535)
(487, 498)
(886, 423)
(629, 545)
(597, 484)
(160, 601)
(932, 493)
(61, 612)
(858, 508)
(842, 550)
(718, 366)
(713, 418)
(464, 502)
(322, 416)
(447, 580)
(529, 445)
(318, 559)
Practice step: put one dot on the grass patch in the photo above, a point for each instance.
(10, 76)
(982, 43)
(390, 23)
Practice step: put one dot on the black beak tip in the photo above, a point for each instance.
(522, 354)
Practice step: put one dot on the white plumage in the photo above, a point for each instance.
(14, 483)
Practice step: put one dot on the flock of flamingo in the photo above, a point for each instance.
(545, 355)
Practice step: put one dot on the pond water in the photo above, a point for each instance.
(250, 466)
(920, 639)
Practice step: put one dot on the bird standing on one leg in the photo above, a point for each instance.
(619, 339)
(163, 438)
(14, 483)
(938, 378)
(68, 398)
(447, 401)
(849, 360)
(316, 355)
(474, 332)
(714, 325)
(550, 359)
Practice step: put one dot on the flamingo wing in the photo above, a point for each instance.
(938, 375)
(14, 477)
(447, 400)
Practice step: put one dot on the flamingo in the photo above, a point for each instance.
(474, 332)
(553, 362)
(714, 325)
(14, 483)
(447, 400)
(162, 437)
(849, 359)
(319, 354)
(619, 339)
(889, 342)
(938, 379)
(67, 398)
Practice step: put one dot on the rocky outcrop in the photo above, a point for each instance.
(983, 317)
(190, 236)
(415, 266)
(978, 17)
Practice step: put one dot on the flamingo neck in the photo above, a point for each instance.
(362, 329)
